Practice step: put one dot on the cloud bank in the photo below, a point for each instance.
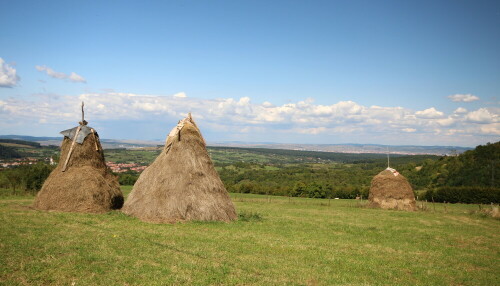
(8, 75)
(73, 77)
(241, 117)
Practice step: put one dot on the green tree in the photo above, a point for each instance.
(299, 189)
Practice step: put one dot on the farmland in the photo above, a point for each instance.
(287, 239)
(277, 240)
(469, 177)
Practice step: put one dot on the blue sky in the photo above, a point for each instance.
(389, 72)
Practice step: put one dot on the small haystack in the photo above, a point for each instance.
(181, 184)
(81, 182)
(391, 190)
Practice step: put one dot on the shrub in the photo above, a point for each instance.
(249, 216)
(27, 178)
(127, 179)
(247, 187)
(466, 195)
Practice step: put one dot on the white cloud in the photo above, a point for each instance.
(267, 104)
(73, 77)
(446, 121)
(460, 110)
(312, 131)
(51, 72)
(429, 113)
(180, 95)
(240, 116)
(463, 97)
(493, 129)
(482, 115)
(8, 75)
(76, 78)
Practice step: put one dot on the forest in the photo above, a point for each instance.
(471, 177)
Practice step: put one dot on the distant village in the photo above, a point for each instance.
(115, 167)
(24, 161)
(125, 167)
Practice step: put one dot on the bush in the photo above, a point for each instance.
(8, 152)
(127, 179)
(247, 187)
(466, 195)
(299, 190)
(27, 178)
(316, 190)
(249, 216)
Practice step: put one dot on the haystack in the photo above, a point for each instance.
(391, 190)
(181, 184)
(81, 182)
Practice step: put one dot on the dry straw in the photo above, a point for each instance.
(181, 184)
(391, 190)
(81, 182)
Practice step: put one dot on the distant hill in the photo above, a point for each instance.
(337, 148)
(8, 152)
(354, 148)
(307, 156)
(28, 138)
(479, 167)
(19, 143)
(106, 143)
(9, 148)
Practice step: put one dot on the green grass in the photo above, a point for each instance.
(276, 241)
(228, 156)
(16, 145)
(132, 156)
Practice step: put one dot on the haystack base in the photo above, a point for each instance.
(391, 190)
(390, 203)
(86, 185)
(181, 184)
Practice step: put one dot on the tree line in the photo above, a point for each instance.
(473, 176)
(25, 179)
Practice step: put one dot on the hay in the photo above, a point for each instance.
(86, 186)
(181, 184)
(391, 190)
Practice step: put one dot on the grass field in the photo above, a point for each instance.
(278, 241)
(17, 145)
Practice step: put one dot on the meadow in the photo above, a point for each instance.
(276, 241)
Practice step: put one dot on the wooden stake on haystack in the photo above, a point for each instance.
(95, 139)
(388, 165)
(74, 139)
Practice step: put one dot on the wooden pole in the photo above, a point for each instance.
(71, 149)
(95, 139)
(388, 164)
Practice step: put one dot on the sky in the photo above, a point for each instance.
(312, 72)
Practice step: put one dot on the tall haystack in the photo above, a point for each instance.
(81, 182)
(391, 190)
(181, 184)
